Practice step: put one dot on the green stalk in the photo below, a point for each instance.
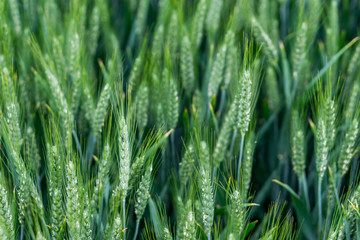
(231, 148)
(172, 141)
(124, 216)
(222, 102)
(137, 229)
(305, 189)
(320, 207)
(233, 142)
(132, 36)
(337, 188)
(240, 156)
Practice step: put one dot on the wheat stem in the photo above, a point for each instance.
(172, 141)
(124, 216)
(305, 189)
(240, 156)
(136, 229)
(337, 190)
(320, 208)
(222, 101)
(233, 142)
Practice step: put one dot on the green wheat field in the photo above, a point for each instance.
(179, 119)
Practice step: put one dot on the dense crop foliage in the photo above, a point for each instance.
(179, 119)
